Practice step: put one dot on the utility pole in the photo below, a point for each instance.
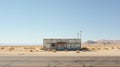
(80, 39)
(78, 35)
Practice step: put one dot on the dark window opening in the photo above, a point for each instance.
(53, 45)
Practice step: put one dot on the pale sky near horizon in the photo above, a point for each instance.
(29, 21)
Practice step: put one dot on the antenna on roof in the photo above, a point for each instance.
(78, 35)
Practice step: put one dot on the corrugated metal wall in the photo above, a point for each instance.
(65, 43)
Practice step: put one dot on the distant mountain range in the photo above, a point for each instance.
(103, 42)
(89, 42)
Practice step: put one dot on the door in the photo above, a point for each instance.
(61, 45)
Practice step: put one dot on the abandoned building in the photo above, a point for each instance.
(62, 44)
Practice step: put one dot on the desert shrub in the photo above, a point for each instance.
(49, 50)
(53, 50)
(112, 47)
(77, 51)
(106, 48)
(31, 50)
(85, 49)
(11, 49)
(118, 47)
(93, 48)
(42, 48)
(99, 48)
(2, 48)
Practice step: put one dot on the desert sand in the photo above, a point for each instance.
(94, 50)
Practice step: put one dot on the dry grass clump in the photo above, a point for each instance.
(49, 50)
(77, 51)
(113, 47)
(2, 48)
(42, 48)
(106, 48)
(93, 48)
(85, 49)
(54, 50)
(31, 50)
(118, 47)
(11, 48)
(99, 48)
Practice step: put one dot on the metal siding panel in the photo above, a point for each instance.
(70, 43)
(48, 45)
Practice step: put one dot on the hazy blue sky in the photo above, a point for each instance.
(29, 21)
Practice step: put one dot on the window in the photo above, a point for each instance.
(53, 45)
